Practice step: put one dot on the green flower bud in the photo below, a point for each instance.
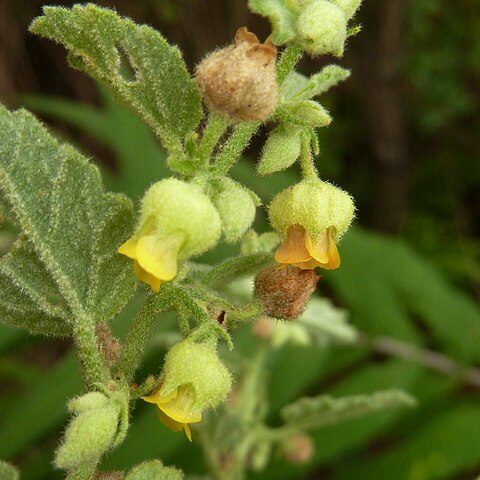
(240, 81)
(177, 221)
(281, 149)
(236, 206)
(154, 470)
(88, 437)
(322, 28)
(349, 7)
(193, 378)
(311, 217)
(87, 402)
(314, 204)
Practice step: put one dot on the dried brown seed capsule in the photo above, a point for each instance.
(284, 292)
(239, 81)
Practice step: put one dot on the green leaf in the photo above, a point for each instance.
(318, 412)
(307, 113)
(282, 15)
(7, 472)
(154, 470)
(64, 266)
(319, 83)
(281, 149)
(161, 91)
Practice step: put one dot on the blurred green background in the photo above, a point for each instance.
(405, 142)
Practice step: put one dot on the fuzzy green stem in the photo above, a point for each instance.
(307, 165)
(85, 472)
(213, 131)
(88, 351)
(290, 57)
(140, 332)
(234, 146)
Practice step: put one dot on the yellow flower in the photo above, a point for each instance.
(155, 259)
(177, 409)
(193, 379)
(172, 228)
(300, 250)
(311, 218)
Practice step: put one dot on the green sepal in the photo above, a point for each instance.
(154, 470)
(64, 268)
(282, 15)
(299, 88)
(161, 91)
(307, 113)
(7, 472)
(324, 410)
(281, 149)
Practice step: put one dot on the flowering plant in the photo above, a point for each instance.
(71, 271)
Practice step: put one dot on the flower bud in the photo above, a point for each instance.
(298, 448)
(154, 470)
(285, 292)
(240, 81)
(322, 28)
(311, 217)
(177, 221)
(88, 437)
(193, 378)
(236, 206)
(349, 7)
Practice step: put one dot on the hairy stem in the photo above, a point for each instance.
(88, 351)
(306, 160)
(234, 146)
(213, 131)
(140, 332)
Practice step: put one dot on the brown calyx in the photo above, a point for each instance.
(284, 292)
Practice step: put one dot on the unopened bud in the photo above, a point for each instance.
(88, 437)
(240, 81)
(298, 448)
(263, 327)
(322, 28)
(284, 292)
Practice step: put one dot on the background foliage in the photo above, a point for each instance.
(403, 142)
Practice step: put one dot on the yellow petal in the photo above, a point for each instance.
(158, 257)
(146, 277)
(182, 407)
(128, 248)
(324, 250)
(173, 425)
(160, 398)
(187, 431)
(293, 249)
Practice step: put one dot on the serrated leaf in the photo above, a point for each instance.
(65, 265)
(7, 472)
(282, 15)
(318, 412)
(320, 83)
(281, 149)
(161, 91)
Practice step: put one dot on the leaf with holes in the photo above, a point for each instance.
(64, 265)
(160, 89)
